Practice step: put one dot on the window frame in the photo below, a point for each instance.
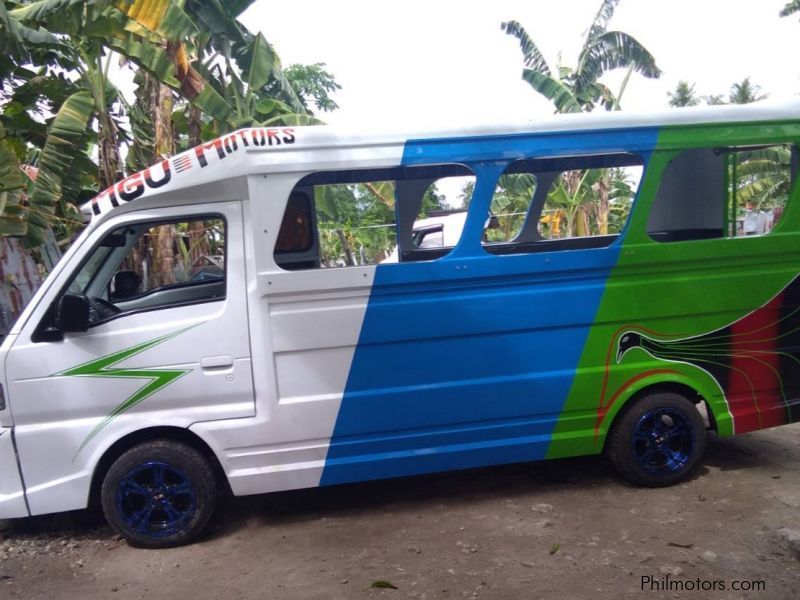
(353, 176)
(546, 165)
(722, 149)
(48, 319)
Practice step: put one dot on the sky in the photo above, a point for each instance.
(441, 63)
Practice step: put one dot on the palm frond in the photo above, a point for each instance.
(13, 36)
(518, 184)
(552, 89)
(41, 10)
(601, 20)
(531, 55)
(284, 90)
(163, 18)
(219, 20)
(12, 218)
(67, 137)
(293, 119)
(790, 8)
(614, 50)
(763, 190)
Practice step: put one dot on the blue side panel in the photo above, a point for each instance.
(467, 360)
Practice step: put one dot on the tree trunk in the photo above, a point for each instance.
(194, 126)
(162, 247)
(602, 187)
(108, 151)
(348, 252)
(162, 269)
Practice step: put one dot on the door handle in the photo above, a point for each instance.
(216, 362)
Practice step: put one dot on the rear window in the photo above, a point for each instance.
(724, 192)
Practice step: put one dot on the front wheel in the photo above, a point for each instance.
(657, 441)
(159, 494)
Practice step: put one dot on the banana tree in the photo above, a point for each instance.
(510, 204)
(12, 184)
(95, 102)
(578, 89)
(763, 177)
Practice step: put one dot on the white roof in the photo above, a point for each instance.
(272, 149)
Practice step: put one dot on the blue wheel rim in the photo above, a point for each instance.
(156, 499)
(663, 441)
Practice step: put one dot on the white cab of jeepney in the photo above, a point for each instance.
(114, 325)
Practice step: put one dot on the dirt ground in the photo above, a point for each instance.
(561, 529)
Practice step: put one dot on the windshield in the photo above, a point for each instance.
(85, 276)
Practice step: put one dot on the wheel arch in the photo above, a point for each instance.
(716, 408)
(140, 436)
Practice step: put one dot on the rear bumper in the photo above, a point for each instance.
(12, 493)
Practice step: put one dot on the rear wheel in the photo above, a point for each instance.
(657, 441)
(159, 494)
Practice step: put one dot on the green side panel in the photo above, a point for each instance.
(675, 290)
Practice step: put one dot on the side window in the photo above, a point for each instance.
(173, 254)
(510, 205)
(569, 203)
(154, 265)
(356, 223)
(342, 219)
(723, 192)
(443, 213)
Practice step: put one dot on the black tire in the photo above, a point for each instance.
(658, 440)
(159, 494)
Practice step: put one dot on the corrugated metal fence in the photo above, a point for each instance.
(19, 280)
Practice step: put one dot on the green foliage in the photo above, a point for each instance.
(579, 195)
(509, 207)
(55, 62)
(745, 92)
(559, 93)
(12, 221)
(314, 84)
(684, 95)
(432, 201)
(66, 137)
(573, 90)
(790, 8)
(763, 177)
(141, 152)
(356, 223)
(588, 202)
(613, 50)
(532, 57)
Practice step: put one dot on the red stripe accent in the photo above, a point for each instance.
(754, 386)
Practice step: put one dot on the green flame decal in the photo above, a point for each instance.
(104, 367)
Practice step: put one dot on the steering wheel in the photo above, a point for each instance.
(103, 307)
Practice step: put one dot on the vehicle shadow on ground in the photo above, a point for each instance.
(747, 451)
(420, 493)
(414, 494)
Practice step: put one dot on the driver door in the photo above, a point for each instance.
(167, 345)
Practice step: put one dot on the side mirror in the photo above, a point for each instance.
(73, 313)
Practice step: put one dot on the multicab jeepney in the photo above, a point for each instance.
(218, 326)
